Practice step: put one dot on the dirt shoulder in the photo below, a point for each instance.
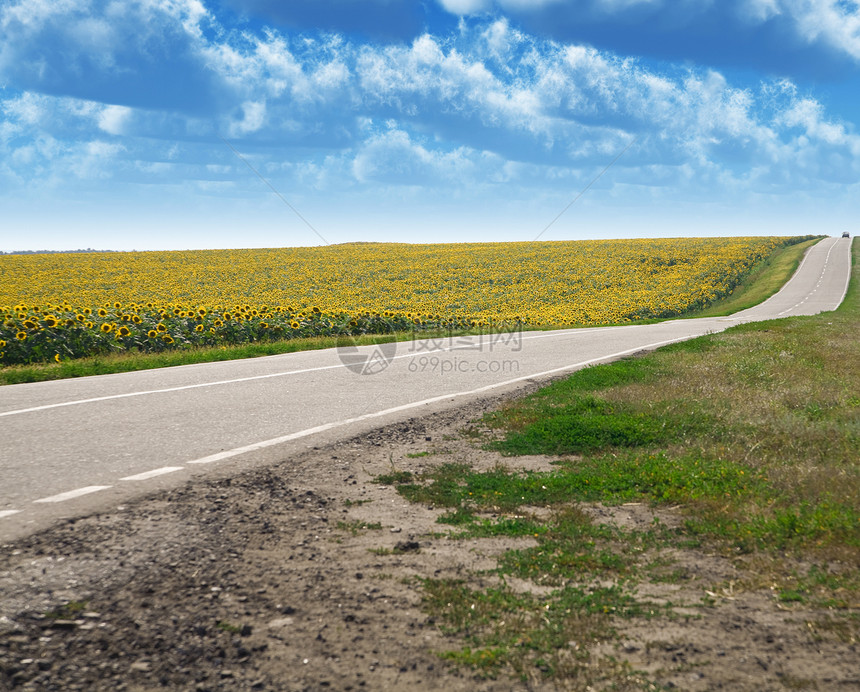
(304, 576)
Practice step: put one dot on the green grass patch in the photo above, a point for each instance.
(357, 527)
(394, 478)
(533, 637)
(586, 423)
(67, 611)
(611, 479)
(845, 628)
(755, 431)
(355, 503)
(751, 436)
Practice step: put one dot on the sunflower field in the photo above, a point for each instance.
(70, 305)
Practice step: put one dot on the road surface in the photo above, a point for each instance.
(70, 447)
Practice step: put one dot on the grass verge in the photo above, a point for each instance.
(750, 438)
(130, 362)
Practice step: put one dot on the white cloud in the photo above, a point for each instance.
(97, 37)
(253, 118)
(490, 106)
(98, 149)
(88, 47)
(465, 7)
(34, 13)
(836, 22)
(332, 75)
(808, 114)
(621, 5)
(27, 109)
(394, 158)
(113, 119)
(759, 11)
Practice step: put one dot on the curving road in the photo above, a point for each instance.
(73, 446)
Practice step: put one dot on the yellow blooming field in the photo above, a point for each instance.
(70, 305)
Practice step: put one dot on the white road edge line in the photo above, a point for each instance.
(271, 375)
(8, 512)
(847, 277)
(572, 332)
(415, 404)
(775, 296)
(823, 269)
(146, 475)
(72, 494)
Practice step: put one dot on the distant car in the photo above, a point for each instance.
(846, 234)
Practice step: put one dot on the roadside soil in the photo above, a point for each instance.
(272, 580)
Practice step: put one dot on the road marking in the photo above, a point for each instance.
(847, 276)
(821, 276)
(127, 395)
(415, 404)
(152, 474)
(776, 297)
(8, 512)
(555, 333)
(72, 494)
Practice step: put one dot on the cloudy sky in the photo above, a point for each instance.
(172, 124)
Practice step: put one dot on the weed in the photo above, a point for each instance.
(225, 626)
(394, 478)
(845, 628)
(401, 548)
(355, 503)
(356, 527)
(524, 633)
(67, 611)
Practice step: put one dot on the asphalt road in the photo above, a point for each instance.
(70, 447)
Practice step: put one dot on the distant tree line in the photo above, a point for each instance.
(49, 252)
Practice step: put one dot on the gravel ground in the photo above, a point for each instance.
(267, 581)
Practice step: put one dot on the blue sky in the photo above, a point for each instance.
(135, 124)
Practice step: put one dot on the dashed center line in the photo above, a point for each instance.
(79, 492)
(152, 474)
(302, 371)
(72, 494)
(817, 286)
(424, 402)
